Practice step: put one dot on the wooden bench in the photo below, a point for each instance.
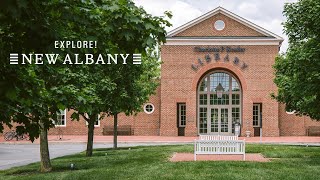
(217, 137)
(124, 130)
(219, 147)
(313, 131)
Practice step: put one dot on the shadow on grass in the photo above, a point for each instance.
(35, 171)
(151, 162)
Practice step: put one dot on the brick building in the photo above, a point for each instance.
(216, 77)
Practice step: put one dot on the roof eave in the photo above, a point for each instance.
(226, 13)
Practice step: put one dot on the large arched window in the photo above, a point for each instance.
(219, 103)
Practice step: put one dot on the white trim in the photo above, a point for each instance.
(228, 14)
(259, 114)
(179, 114)
(94, 124)
(144, 108)
(183, 41)
(215, 25)
(65, 120)
(208, 106)
(291, 112)
(98, 122)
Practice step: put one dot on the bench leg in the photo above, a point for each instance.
(195, 150)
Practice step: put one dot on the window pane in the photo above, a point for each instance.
(203, 120)
(203, 99)
(235, 99)
(256, 115)
(222, 78)
(214, 100)
(224, 120)
(182, 115)
(214, 120)
(235, 117)
(60, 121)
(235, 85)
(204, 85)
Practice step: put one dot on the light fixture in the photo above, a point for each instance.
(219, 90)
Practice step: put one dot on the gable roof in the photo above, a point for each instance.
(228, 14)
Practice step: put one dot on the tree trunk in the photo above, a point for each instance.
(115, 131)
(90, 135)
(45, 164)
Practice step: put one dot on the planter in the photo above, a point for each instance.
(248, 133)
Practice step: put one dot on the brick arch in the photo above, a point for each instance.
(216, 66)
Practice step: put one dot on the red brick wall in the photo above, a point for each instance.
(292, 125)
(141, 124)
(179, 82)
(232, 28)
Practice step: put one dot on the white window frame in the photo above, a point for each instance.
(65, 120)
(179, 114)
(98, 125)
(217, 27)
(259, 114)
(145, 106)
(291, 112)
(210, 90)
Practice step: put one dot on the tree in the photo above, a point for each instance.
(32, 94)
(120, 88)
(133, 31)
(298, 71)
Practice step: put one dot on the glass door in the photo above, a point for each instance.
(214, 120)
(220, 121)
(224, 121)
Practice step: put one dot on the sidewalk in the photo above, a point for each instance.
(311, 140)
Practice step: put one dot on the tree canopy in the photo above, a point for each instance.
(298, 71)
(31, 95)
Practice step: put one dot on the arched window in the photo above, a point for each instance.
(219, 103)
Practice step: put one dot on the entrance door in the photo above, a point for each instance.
(220, 121)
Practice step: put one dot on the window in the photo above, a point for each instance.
(219, 25)
(203, 120)
(96, 123)
(61, 118)
(148, 108)
(182, 114)
(219, 103)
(203, 99)
(235, 117)
(257, 115)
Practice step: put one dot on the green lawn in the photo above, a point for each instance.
(290, 162)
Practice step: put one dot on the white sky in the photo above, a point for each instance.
(265, 13)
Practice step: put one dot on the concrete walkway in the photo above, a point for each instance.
(18, 154)
(311, 140)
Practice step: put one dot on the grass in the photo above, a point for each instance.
(290, 162)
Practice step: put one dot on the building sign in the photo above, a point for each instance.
(214, 54)
(220, 49)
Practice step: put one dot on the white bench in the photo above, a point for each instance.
(219, 147)
(217, 137)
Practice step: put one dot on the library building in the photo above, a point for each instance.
(216, 78)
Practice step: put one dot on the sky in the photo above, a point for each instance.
(265, 13)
